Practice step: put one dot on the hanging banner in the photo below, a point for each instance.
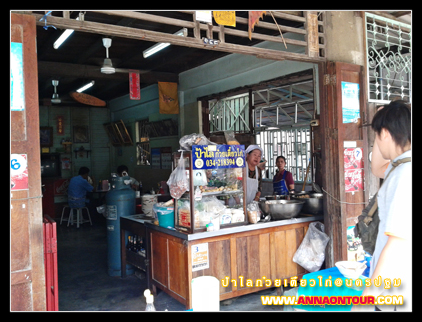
(253, 20)
(134, 85)
(225, 18)
(168, 99)
(353, 169)
(218, 156)
(60, 126)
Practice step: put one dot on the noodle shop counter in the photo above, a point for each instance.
(234, 255)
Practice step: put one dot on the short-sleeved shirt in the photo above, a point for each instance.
(395, 211)
(289, 178)
(76, 191)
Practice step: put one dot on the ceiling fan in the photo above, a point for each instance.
(55, 99)
(107, 67)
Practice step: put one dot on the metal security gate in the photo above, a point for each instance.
(388, 59)
(292, 143)
(230, 113)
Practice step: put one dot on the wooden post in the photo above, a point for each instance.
(311, 26)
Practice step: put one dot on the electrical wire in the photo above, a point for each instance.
(349, 203)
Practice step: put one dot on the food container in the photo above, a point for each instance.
(313, 202)
(351, 269)
(282, 209)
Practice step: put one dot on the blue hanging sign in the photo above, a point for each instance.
(218, 156)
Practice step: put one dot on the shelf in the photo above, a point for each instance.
(136, 259)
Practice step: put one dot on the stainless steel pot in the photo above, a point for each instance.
(282, 209)
(313, 204)
(277, 197)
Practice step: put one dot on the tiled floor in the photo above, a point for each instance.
(84, 284)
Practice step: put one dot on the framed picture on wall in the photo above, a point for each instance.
(46, 136)
(123, 132)
(112, 134)
(80, 134)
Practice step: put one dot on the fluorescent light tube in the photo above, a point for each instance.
(161, 45)
(85, 87)
(63, 37)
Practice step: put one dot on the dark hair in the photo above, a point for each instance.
(122, 168)
(396, 118)
(83, 170)
(280, 156)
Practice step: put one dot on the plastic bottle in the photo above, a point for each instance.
(210, 226)
(150, 300)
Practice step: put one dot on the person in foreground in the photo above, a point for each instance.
(393, 249)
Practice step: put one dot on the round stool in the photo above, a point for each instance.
(79, 218)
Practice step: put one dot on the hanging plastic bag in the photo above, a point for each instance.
(254, 213)
(311, 252)
(199, 178)
(178, 182)
(188, 140)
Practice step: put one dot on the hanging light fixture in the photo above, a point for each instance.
(161, 45)
(107, 67)
(66, 34)
(85, 87)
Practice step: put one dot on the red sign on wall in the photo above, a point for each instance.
(60, 125)
(353, 169)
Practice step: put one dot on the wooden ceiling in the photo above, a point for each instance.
(79, 59)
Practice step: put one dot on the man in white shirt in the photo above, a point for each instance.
(392, 261)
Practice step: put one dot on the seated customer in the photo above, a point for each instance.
(123, 171)
(77, 189)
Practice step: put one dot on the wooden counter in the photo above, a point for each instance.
(261, 251)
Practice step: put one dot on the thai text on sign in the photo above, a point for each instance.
(218, 156)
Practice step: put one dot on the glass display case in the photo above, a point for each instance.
(215, 200)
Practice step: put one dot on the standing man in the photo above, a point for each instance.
(393, 248)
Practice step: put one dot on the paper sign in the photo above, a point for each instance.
(203, 15)
(350, 102)
(17, 94)
(200, 257)
(353, 169)
(18, 172)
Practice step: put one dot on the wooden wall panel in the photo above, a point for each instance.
(28, 291)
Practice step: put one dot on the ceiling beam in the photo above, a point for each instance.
(56, 69)
(147, 35)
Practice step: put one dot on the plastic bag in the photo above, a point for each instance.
(199, 178)
(103, 210)
(178, 182)
(254, 213)
(230, 138)
(311, 252)
(187, 141)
